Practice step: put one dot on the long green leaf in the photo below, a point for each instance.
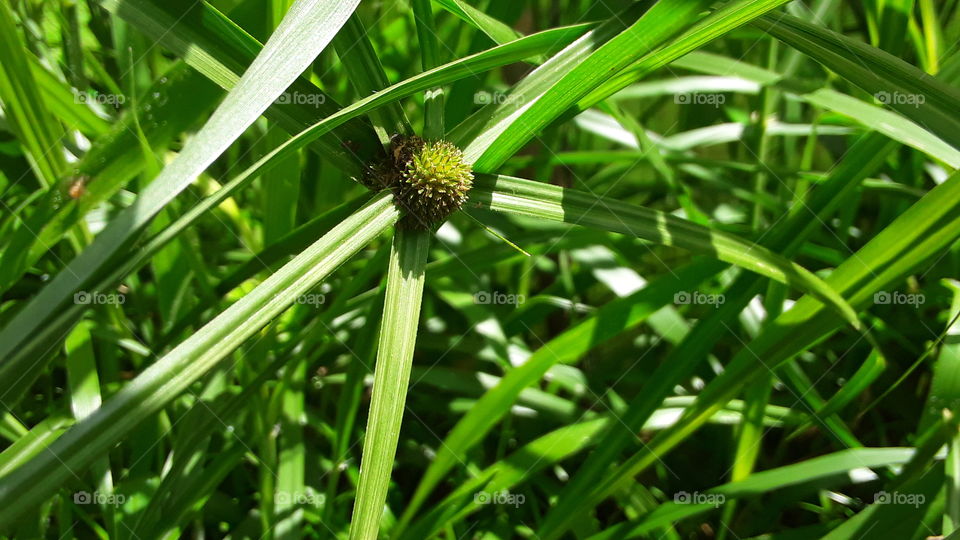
(567, 347)
(786, 237)
(819, 472)
(664, 19)
(523, 197)
(890, 123)
(290, 50)
(398, 337)
(218, 48)
(36, 333)
(24, 105)
(90, 438)
(924, 230)
(915, 94)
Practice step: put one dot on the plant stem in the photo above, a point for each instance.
(398, 336)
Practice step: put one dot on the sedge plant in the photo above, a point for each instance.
(449, 269)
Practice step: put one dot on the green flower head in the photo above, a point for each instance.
(430, 179)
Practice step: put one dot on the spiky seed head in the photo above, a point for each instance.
(430, 179)
(433, 183)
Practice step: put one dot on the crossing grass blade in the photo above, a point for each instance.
(664, 19)
(930, 225)
(218, 48)
(173, 105)
(896, 126)
(744, 219)
(164, 380)
(890, 80)
(18, 352)
(524, 197)
(24, 106)
(288, 53)
(814, 474)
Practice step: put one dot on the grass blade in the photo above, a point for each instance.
(290, 50)
(813, 472)
(662, 20)
(89, 439)
(24, 106)
(608, 322)
(523, 197)
(398, 337)
(218, 48)
(915, 94)
(924, 230)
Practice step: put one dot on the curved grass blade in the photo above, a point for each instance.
(535, 199)
(290, 50)
(609, 321)
(24, 107)
(167, 378)
(866, 374)
(890, 123)
(179, 100)
(480, 129)
(924, 230)
(38, 331)
(497, 31)
(725, 19)
(905, 88)
(866, 156)
(219, 49)
(62, 102)
(536, 455)
(660, 22)
(818, 473)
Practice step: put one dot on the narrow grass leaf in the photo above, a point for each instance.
(524, 197)
(290, 50)
(903, 87)
(163, 381)
(398, 336)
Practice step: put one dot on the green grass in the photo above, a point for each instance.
(704, 284)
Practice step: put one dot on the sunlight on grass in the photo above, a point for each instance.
(453, 269)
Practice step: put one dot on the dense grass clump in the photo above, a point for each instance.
(659, 269)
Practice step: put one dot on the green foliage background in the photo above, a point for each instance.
(704, 284)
